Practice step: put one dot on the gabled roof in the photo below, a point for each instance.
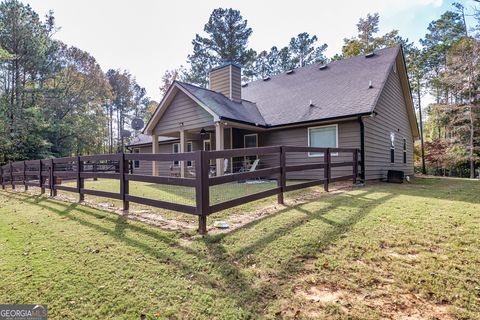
(339, 90)
(344, 88)
(223, 107)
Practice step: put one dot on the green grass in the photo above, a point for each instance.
(383, 251)
(179, 194)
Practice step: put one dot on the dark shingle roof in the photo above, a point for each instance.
(340, 90)
(146, 139)
(225, 108)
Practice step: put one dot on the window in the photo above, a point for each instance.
(207, 145)
(176, 149)
(189, 149)
(404, 150)
(136, 163)
(322, 137)
(250, 141)
(392, 147)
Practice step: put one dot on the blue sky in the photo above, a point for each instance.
(147, 37)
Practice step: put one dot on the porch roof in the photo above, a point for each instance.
(224, 108)
(145, 139)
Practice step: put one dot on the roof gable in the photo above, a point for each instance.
(167, 100)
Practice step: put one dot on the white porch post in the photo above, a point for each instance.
(182, 150)
(219, 143)
(155, 164)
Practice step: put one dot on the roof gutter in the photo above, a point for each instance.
(352, 116)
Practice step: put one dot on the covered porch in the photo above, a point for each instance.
(221, 135)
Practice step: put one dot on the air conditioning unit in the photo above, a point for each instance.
(395, 176)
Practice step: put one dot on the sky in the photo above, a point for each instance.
(147, 37)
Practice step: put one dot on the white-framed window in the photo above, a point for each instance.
(176, 149)
(323, 137)
(392, 147)
(250, 141)
(207, 145)
(136, 163)
(189, 149)
(404, 150)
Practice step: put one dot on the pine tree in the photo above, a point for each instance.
(227, 40)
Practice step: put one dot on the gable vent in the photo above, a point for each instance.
(266, 78)
(323, 67)
(370, 54)
(289, 71)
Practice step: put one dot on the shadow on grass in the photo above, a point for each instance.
(234, 281)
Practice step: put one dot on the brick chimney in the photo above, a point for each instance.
(227, 79)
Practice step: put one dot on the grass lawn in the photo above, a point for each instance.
(408, 251)
(180, 194)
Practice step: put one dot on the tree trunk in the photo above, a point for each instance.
(424, 170)
(472, 133)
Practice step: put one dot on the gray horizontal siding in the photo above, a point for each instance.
(348, 137)
(391, 117)
(183, 109)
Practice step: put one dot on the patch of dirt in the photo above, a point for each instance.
(322, 295)
(155, 218)
(401, 306)
(407, 256)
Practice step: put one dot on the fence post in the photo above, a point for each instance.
(202, 192)
(40, 177)
(53, 192)
(123, 181)
(326, 174)
(94, 169)
(11, 176)
(1, 178)
(80, 181)
(25, 175)
(355, 166)
(282, 181)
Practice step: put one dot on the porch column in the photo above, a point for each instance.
(182, 150)
(219, 144)
(155, 164)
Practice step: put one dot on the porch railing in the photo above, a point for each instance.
(45, 174)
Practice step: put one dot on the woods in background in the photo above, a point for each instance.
(55, 100)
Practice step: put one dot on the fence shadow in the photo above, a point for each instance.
(234, 282)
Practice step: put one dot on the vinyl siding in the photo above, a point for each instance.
(227, 81)
(348, 137)
(236, 84)
(220, 81)
(391, 117)
(183, 109)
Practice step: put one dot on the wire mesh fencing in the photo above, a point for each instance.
(198, 183)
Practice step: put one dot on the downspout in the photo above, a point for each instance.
(362, 149)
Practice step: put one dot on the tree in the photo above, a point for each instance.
(462, 77)
(304, 52)
(129, 101)
(226, 40)
(416, 72)
(167, 79)
(442, 34)
(366, 41)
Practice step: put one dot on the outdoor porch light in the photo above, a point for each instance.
(203, 132)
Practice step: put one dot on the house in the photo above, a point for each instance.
(362, 102)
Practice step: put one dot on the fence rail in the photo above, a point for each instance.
(45, 174)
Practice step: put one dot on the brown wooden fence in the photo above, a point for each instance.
(45, 174)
